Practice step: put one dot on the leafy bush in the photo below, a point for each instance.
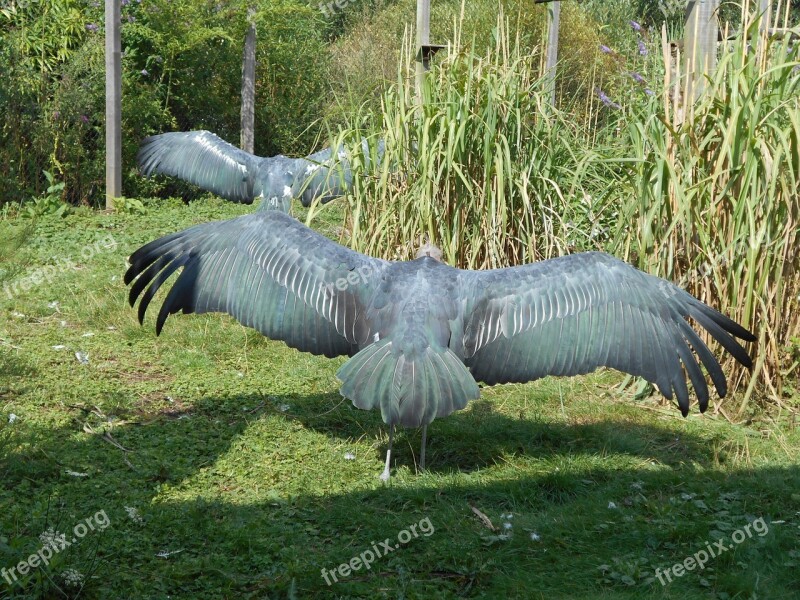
(49, 203)
(129, 206)
(181, 70)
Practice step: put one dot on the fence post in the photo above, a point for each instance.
(700, 46)
(553, 20)
(423, 40)
(248, 109)
(113, 103)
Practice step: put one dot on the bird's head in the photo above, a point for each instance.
(428, 249)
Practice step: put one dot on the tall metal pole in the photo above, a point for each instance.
(423, 40)
(113, 103)
(553, 19)
(764, 10)
(701, 32)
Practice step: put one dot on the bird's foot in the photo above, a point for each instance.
(385, 474)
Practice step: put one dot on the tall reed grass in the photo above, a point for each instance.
(716, 188)
(484, 167)
(705, 194)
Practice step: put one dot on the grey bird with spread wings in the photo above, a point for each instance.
(208, 161)
(420, 333)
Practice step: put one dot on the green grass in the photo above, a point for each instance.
(231, 448)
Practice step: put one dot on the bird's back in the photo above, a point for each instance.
(407, 369)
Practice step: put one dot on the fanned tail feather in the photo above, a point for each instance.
(411, 390)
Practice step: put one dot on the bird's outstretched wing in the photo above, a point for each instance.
(202, 158)
(570, 315)
(267, 271)
(324, 177)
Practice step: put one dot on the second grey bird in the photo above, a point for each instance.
(420, 333)
(208, 161)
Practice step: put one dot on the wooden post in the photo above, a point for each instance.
(248, 111)
(553, 19)
(700, 46)
(423, 40)
(113, 103)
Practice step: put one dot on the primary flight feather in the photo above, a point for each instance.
(420, 333)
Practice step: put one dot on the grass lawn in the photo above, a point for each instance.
(213, 463)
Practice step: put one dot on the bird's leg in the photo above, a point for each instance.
(422, 450)
(385, 474)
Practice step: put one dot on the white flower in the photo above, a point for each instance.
(11, 418)
(612, 505)
(349, 456)
(507, 525)
(49, 537)
(133, 513)
(72, 578)
(535, 536)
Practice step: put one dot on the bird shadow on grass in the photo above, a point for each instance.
(170, 445)
(466, 441)
(210, 524)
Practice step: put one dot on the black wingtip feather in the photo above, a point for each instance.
(178, 299)
(723, 337)
(681, 392)
(726, 322)
(694, 372)
(145, 276)
(158, 281)
(706, 357)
